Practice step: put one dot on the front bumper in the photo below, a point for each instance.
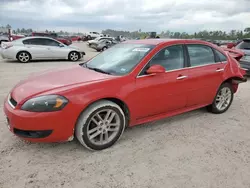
(82, 54)
(40, 127)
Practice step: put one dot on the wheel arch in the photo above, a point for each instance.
(115, 100)
(23, 51)
(233, 81)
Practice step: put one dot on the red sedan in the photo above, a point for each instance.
(131, 83)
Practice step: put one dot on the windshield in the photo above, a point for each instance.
(244, 45)
(120, 59)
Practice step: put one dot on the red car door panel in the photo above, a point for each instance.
(160, 93)
(203, 83)
(205, 75)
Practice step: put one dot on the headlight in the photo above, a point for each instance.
(47, 103)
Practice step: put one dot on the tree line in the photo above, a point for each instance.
(212, 35)
(205, 34)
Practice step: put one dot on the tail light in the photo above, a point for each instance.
(6, 46)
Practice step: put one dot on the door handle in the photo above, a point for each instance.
(219, 70)
(181, 77)
(48, 48)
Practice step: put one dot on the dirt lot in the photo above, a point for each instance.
(196, 149)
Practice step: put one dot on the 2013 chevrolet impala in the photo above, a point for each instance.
(131, 83)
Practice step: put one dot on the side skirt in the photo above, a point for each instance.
(165, 115)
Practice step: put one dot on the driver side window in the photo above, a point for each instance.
(171, 58)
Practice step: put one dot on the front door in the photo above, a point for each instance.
(162, 93)
(205, 75)
(57, 51)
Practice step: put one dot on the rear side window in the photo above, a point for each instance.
(221, 56)
(200, 55)
(35, 41)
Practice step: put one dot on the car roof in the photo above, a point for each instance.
(159, 41)
(246, 39)
(35, 37)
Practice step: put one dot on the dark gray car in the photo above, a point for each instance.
(244, 46)
(103, 45)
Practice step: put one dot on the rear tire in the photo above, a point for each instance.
(74, 56)
(222, 100)
(100, 125)
(104, 48)
(23, 57)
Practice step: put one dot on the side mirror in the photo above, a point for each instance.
(61, 45)
(156, 69)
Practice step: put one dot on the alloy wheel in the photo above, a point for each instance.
(223, 98)
(23, 57)
(103, 127)
(74, 56)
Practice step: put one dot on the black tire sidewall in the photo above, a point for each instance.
(214, 108)
(86, 140)
(104, 48)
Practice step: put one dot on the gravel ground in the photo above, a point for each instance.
(196, 149)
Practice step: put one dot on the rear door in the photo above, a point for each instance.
(205, 74)
(58, 51)
(37, 48)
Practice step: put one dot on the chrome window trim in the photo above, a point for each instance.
(155, 55)
(184, 68)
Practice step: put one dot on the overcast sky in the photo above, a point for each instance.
(148, 15)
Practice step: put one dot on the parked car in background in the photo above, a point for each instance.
(32, 48)
(244, 46)
(120, 38)
(75, 38)
(131, 83)
(96, 40)
(103, 44)
(4, 38)
(16, 36)
(65, 40)
(93, 35)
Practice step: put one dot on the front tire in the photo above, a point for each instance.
(223, 99)
(23, 57)
(100, 125)
(104, 48)
(74, 56)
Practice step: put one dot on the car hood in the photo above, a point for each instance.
(56, 79)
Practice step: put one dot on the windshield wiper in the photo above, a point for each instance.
(98, 70)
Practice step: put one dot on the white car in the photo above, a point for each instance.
(33, 48)
(93, 35)
(96, 40)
